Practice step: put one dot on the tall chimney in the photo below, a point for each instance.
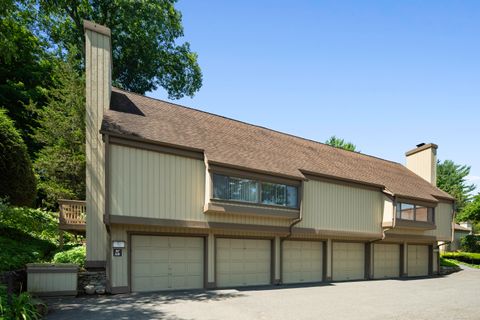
(98, 89)
(423, 161)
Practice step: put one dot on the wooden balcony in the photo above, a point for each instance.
(72, 216)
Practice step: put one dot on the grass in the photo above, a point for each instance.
(448, 262)
(476, 266)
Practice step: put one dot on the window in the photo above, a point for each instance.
(414, 212)
(253, 191)
(230, 188)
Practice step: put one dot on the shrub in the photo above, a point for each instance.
(75, 255)
(18, 180)
(19, 248)
(468, 257)
(22, 307)
(34, 222)
(470, 243)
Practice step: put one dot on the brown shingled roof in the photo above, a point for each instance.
(238, 144)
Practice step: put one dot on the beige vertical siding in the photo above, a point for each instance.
(332, 206)
(97, 52)
(423, 163)
(443, 220)
(45, 283)
(388, 210)
(156, 185)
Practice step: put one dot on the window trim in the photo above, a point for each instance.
(260, 181)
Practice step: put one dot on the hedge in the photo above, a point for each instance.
(468, 257)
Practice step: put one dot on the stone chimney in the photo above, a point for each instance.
(423, 161)
(98, 70)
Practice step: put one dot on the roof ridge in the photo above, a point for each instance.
(259, 126)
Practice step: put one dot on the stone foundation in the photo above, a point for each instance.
(98, 279)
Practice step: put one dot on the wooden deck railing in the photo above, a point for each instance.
(72, 215)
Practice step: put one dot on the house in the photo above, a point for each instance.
(178, 198)
(460, 231)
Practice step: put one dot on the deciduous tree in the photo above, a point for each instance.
(341, 143)
(146, 52)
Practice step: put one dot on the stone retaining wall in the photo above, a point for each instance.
(98, 279)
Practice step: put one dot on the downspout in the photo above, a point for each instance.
(300, 216)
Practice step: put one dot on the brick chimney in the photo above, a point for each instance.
(423, 161)
(98, 70)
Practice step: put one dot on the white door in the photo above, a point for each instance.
(386, 261)
(243, 262)
(166, 263)
(302, 261)
(417, 260)
(348, 261)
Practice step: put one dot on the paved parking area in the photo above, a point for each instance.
(456, 296)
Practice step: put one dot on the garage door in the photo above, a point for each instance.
(302, 261)
(243, 262)
(166, 263)
(417, 260)
(348, 261)
(386, 261)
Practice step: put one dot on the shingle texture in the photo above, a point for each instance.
(238, 144)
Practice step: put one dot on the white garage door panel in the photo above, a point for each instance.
(348, 261)
(166, 263)
(302, 261)
(417, 260)
(386, 261)
(243, 262)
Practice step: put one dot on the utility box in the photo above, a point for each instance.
(59, 279)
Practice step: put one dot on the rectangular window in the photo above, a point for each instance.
(237, 189)
(247, 190)
(413, 212)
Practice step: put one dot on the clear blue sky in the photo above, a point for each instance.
(385, 75)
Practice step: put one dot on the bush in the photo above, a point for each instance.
(467, 257)
(18, 181)
(19, 248)
(36, 223)
(22, 307)
(75, 255)
(470, 243)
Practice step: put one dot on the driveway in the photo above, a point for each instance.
(456, 296)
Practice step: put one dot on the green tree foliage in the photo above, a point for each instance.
(342, 144)
(25, 68)
(451, 179)
(470, 243)
(471, 211)
(145, 41)
(60, 164)
(17, 178)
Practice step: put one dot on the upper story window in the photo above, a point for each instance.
(254, 191)
(415, 212)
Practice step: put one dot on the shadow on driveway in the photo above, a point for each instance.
(128, 306)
